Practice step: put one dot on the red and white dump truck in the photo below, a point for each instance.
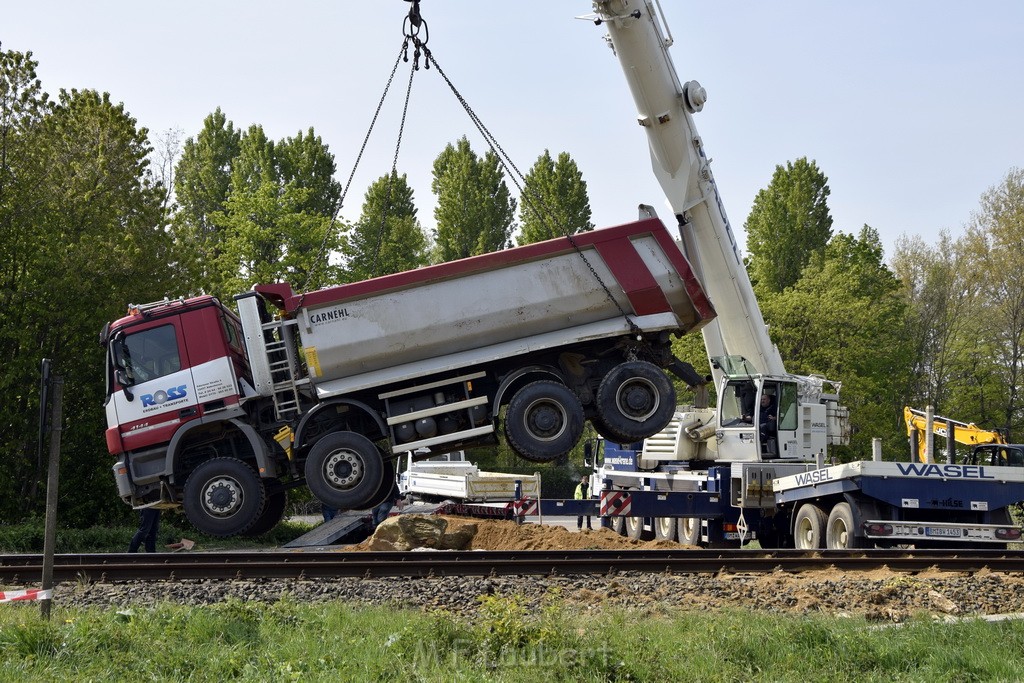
(219, 411)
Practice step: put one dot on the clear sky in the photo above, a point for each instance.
(912, 108)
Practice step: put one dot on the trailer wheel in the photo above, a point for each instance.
(273, 509)
(839, 532)
(544, 421)
(634, 527)
(665, 528)
(223, 497)
(344, 470)
(619, 525)
(688, 529)
(634, 401)
(809, 527)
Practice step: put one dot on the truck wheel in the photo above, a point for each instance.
(635, 527)
(386, 484)
(839, 531)
(635, 400)
(809, 528)
(344, 470)
(608, 433)
(223, 497)
(544, 421)
(273, 509)
(665, 528)
(688, 529)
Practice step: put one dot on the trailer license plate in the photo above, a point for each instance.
(941, 531)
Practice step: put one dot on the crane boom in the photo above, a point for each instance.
(665, 109)
(763, 411)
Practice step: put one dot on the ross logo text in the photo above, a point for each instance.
(162, 396)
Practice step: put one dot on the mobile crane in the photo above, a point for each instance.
(754, 466)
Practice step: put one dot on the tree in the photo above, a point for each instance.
(554, 201)
(474, 211)
(276, 223)
(995, 244)
(23, 105)
(387, 238)
(789, 222)
(202, 181)
(846, 318)
(84, 235)
(940, 298)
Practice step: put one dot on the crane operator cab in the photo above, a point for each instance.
(757, 416)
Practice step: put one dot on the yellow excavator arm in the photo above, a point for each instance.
(963, 432)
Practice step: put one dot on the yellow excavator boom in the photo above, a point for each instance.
(963, 432)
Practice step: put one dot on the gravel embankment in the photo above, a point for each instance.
(881, 596)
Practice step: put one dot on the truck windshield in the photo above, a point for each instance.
(149, 354)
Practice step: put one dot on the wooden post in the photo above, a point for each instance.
(50, 535)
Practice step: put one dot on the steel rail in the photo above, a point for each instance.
(309, 565)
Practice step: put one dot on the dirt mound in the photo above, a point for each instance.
(507, 535)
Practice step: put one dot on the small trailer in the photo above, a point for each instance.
(451, 477)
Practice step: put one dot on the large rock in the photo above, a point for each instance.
(459, 538)
(405, 532)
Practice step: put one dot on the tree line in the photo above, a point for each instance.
(93, 218)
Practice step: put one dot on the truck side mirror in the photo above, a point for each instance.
(588, 453)
(122, 379)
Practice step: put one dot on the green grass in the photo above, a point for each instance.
(503, 642)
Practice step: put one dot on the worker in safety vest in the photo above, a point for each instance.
(582, 492)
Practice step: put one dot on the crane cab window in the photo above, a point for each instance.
(738, 402)
(149, 354)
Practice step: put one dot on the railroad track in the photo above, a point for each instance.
(15, 569)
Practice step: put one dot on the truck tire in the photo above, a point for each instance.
(223, 497)
(544, 421)
(688, 530)
(809, 527)
(344, 470)
(610, 434)
(386, 484)
(273, 509)
(665, 528)
(839, 530)
(635, 528)
(634, 401)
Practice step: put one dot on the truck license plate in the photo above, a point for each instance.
(941, 531)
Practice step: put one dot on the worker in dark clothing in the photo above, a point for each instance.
(768, 424)
(149, 526)
(381, 512)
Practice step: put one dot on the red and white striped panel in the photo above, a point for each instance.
(528, 506)
(615, 503)
(26, 594)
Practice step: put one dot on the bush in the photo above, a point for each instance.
(28, 537)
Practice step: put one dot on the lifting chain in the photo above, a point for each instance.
(413, 26)
(520, 181)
